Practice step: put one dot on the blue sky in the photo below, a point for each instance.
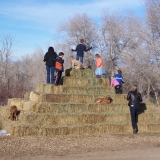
(34, 23)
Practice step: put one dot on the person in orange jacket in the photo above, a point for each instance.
(59, 68)
(99, 66)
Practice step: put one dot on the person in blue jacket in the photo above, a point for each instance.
(80, 49)
(118, 76)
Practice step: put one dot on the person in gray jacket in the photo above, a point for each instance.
(134, 98)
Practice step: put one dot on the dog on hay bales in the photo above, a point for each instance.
(106, 100)
(13, 113)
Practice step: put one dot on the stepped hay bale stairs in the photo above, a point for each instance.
(70, 109)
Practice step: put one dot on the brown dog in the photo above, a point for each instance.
(104, 100)
(13, 113)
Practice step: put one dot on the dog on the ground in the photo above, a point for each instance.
(106, 100)
(13, 113)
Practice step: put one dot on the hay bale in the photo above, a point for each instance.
(86, 73)
(26, 96)
(40, 88)
(18, 102)
(75, 81)
(74, 89)
(5, 111)
(28, 105)
(51, 89)
(34, 97)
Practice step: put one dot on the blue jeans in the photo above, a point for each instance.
(50, 74)
(79, 59)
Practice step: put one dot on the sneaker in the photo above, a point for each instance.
(98, 76)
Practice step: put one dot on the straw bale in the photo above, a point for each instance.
(18, 102)
(28, 105)
(75, 81)
(48, 88)
(57, 98)
(63, 119)
(153, 128)
(59, 108)
(35, 97)
(8, 124)
(40, 88)
(51, 89)
(149, 117)
(74, 90)
(26, 96)
(117, 118)
(82, 73)
(103, 81)
(64, 98)
(4, 111)
(25, 130)
(92, 118)
(82, 98)
(102, 108)
(100, 90)
(72, 119)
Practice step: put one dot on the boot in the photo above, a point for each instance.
(135, 131)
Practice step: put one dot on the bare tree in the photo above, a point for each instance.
(77, 27)
(112, 39)
(5, 65)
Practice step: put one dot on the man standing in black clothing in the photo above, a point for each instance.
(80, 49)
(50, 58)
(134, 98)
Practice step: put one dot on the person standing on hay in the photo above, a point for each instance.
(59, 68)
(50, 58)
(75, 64)
(114, 83)
(80, 49)
(99, 66)
(134, 98)
(118, 76)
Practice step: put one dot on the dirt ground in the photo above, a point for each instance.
(95, 147)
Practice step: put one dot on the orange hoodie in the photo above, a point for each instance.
(99, 63)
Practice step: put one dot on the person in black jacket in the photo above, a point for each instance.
(59, 68)
(80, 49)
(50, 58)
(134, 98)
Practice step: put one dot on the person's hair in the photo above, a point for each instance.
(97, 55)
(134, 88)
(72, 57)
(50, 49)
(82, 40)
(119, 71)
(61, 54)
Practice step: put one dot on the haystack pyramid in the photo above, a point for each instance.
(70, 109)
